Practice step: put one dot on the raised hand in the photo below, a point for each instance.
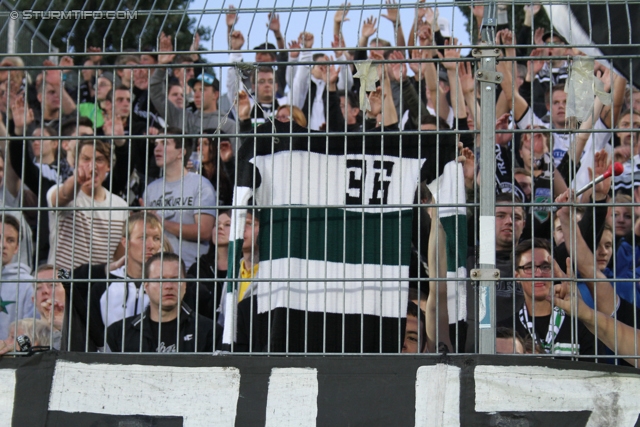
(274, 22)
(341, 14)
(66, 61)
(232, 17)
(244, 105)
(375, 101)
(236, 40)
(564, 212)
(307, 39)
(52, 77)
(601, 163)
(398, 69)
(334, 74)
(467, 158)
(503, 124)
(96, 58)
(421, 11)
(165, 45)
(368, 27)
(113, 127)
(336, 43)
(425, 36)
(294, 47)
(195, 45)
(603, 73)
(622, 153)
(18, 114)
(504, 37)
(392, 11)
(563, 292)
(83, 175)
(452, 54)
(429, 16)
(465, 73)
(507, 40)
(535, 65)
(416, 54)
(532, 10)
(537, 36)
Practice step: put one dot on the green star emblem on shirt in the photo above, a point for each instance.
(4, 304)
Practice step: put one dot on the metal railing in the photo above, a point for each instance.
(341, 204)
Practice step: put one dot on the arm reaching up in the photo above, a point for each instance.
(437, 327)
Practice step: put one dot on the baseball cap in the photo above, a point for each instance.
(442, 75)
(206, 76)
(547, 36)
(269, 47)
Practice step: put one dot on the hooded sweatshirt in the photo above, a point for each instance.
(15, 295)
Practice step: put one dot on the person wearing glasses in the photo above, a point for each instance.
(536, 318)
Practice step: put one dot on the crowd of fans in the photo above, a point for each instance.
(133, 167)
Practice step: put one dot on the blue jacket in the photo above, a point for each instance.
(624, 270)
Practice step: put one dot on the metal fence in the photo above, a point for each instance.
(327, 191)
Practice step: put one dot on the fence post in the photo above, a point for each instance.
(487, 76)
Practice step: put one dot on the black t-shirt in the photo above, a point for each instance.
(506, 290)
(167, 336)
(563, 339)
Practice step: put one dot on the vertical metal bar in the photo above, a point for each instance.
(487, 177)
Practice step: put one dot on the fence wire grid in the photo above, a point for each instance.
(320, 179)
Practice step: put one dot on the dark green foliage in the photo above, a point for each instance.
(153, 17)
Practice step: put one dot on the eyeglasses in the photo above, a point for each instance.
(544, 268)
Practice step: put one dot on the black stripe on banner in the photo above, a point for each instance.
(438, 150)
(608, 28)
(252, 401)
(66, 419)
(317, 332)
(33, 385)
(352, 390)
(375, 143)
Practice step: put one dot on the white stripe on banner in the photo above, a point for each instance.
(148, 390)
(303, 178)
(611, 398)
(7, 395)
(238, 216)
(457, 295)
(388, 296)
(438, 396)
(292, 400)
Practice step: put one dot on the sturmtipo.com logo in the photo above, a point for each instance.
(74, 14)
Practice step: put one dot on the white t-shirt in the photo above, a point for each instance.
(194, 191)
(85, 236)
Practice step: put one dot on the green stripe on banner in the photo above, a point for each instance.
(233, 264)
(456, 240)
(394, 241)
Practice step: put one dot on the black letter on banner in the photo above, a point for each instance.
(355, 187)
(381, 182)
